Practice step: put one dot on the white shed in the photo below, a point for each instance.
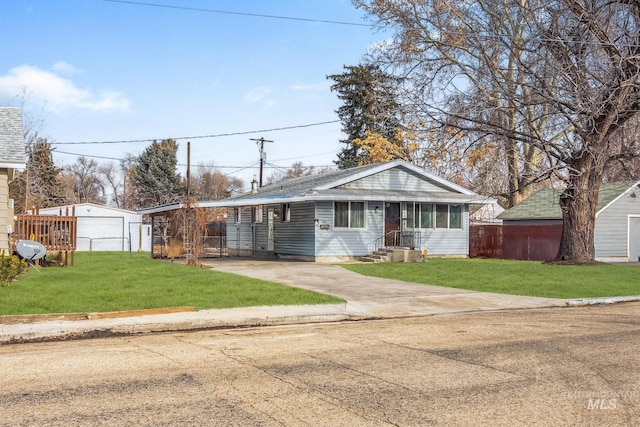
(103, 228)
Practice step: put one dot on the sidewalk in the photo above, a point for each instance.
(366, 298)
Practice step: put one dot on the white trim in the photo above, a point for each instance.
(13, 165)
(321, 198)
(164, 208)
(629, 235)
(636, 185)
(349, 227)
(390, 165)
(94, 205)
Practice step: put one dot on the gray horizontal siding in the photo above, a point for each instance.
(297, 236)
(239, 236)
(396, 179)
(611, 228)
(444, 241)
(260, 233)
(347, 242)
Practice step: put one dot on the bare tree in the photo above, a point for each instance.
(297, 169)
(113, 179)
(87, 185)
(208, 183)
(552, 83)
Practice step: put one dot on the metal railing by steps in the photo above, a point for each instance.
(397, 239)
(385, 248)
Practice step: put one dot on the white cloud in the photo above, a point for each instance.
(260, 94)
(66, 68)
(59, 93)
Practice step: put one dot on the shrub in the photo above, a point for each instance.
(10, 268)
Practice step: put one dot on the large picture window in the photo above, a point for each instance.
(348, 214)
(429, 215)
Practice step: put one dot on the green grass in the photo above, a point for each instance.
(115, 281)
(514, 277)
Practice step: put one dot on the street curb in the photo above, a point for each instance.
(59, 330)
(601, 300)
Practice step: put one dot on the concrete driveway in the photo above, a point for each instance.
(375, 297)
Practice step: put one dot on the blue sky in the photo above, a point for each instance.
(97, 70)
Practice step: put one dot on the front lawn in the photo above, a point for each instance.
(514, 277)
(116, 281)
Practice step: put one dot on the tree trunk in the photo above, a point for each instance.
(579, 203)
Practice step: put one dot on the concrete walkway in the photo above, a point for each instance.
(365, 297)
(375, 297)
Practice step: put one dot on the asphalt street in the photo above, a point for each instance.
(540, 366)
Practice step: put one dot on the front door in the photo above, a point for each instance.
(391, 224)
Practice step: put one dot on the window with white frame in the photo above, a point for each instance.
(455, 216)
(348, 214)
(426, 215)
(430, 215)
(286, 212)
(257, 214)
(237, 215)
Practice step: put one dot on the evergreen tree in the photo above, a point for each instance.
(39, 185)
(369, 105)
(154, 175)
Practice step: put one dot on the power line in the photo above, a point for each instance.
(226, 12)
(218, 135)
(254, 165)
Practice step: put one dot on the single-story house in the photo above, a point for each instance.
(12, 157)
(345, 214)
(103, 228)
(617, 227)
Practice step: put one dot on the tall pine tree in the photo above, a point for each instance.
(154, 175)
(369, 105)
(39, 185)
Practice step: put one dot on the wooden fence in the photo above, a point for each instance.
(523, 242)
(56, 233)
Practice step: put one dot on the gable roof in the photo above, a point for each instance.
(12, 154)
(545, 204)
(332, 185)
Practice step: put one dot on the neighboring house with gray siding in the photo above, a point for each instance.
(617, 227)
(344, 214)
(12, 157)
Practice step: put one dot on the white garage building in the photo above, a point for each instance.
(103, 228)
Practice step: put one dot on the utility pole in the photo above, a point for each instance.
(263, 155)
(188, 168)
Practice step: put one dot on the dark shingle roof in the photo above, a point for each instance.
(544, 204)
(11, 137)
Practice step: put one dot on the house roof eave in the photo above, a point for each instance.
(318, 197)
(160, 209)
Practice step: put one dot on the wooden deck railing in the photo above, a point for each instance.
(56, 233)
